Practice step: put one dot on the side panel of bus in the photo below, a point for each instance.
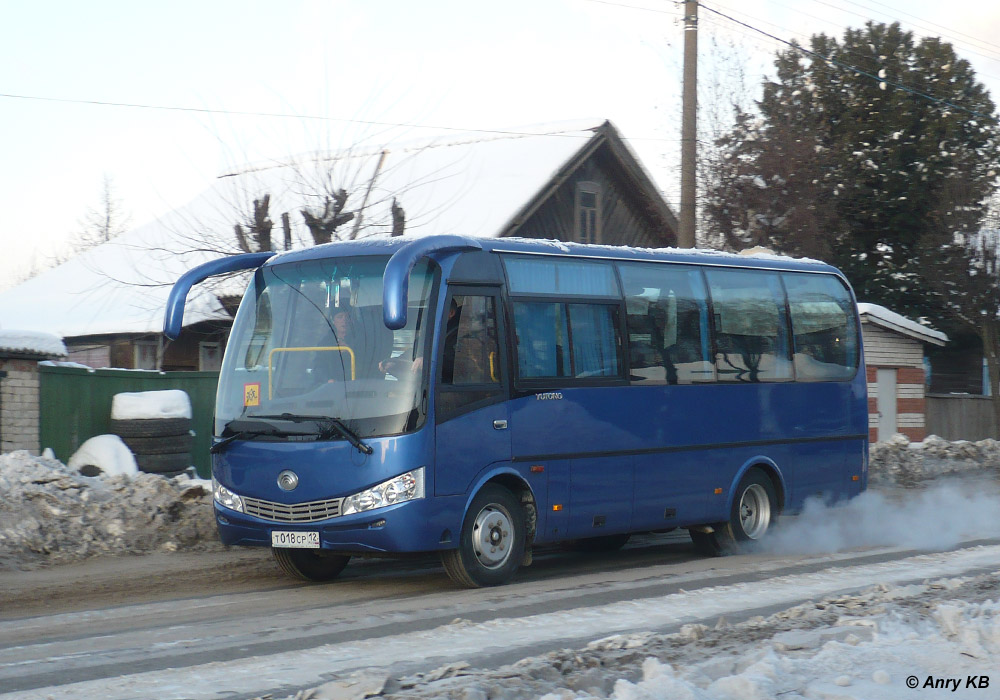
(696, 375)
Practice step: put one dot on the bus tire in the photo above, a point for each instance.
(491, 546)
(309, 564)
(754, 512)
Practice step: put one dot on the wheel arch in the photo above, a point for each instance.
(770, 470)
(509, 478)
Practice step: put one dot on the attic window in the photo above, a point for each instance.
(588, 212)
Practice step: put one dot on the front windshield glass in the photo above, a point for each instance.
(309, 340)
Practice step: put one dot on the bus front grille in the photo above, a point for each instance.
(294, 512)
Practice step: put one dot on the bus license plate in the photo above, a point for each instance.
(300, 540)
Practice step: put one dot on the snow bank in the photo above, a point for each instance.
(50, 513)
(860, 646)
(103, 454)
(145, 405)
(898, 461)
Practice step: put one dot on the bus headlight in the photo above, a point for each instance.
(405, 487)
(226, 498)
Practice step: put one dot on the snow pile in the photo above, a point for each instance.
(148, 405)
(50, 513)
(103, 454)
(845, 647)
(898, 461)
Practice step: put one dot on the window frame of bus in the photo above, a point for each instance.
(852, 320)
(783, 310)
(499, 391)
(699, 270)
(528, 385)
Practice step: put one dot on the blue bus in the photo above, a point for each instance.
(479, 397)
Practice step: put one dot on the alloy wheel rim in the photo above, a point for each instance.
(755, 511)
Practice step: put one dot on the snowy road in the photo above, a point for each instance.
(280, 639)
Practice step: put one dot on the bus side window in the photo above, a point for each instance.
(667, 323)
(823, 331)
(542, 339)
(471, 353)
(470, 358)
(751, 340)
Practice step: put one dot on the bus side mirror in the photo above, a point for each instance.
(173, 318)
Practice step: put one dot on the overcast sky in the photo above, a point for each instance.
(341, 71)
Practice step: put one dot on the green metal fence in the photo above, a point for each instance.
(76, 405)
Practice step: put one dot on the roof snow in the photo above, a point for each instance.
(881, 316)
(31, 343)
(473, 184)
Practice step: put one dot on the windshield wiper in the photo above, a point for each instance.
(241, 435)
(348, 434)
(332, 426)
(244, 429)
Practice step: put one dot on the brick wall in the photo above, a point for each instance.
(887, 349)
(19, 402)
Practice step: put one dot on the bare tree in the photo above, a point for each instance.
(101, 224)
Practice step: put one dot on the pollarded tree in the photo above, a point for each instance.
(870, 152)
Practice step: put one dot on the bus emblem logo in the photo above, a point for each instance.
(251, 394)
(549, 396)
(288, 480)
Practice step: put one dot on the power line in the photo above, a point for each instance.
(855, 69)
(986, 45)
(805, 39)
(567, 133)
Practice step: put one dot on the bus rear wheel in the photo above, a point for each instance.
(754, 511)
(309, 564)
(491, 546)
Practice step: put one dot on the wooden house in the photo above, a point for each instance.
(578, 182)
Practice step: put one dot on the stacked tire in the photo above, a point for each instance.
(160, 445)
(156, 427)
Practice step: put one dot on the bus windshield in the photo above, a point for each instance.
(309, 341)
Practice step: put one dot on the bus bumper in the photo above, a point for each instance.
(413, 526)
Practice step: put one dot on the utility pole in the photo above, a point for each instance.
(689, 126)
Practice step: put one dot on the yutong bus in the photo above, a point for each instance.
(477, 397)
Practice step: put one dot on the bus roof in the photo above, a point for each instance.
(532, 246)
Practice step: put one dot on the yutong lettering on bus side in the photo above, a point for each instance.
(395, 396)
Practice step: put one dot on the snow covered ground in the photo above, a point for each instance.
(923, 624)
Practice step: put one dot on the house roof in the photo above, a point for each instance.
(890, 320)
(482, 184)
(32, 343)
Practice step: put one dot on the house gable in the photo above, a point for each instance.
(630, 210)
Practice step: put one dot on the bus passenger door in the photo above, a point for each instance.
(471, 389)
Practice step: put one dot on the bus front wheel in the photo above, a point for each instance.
(754, 511)
(309, 564)
(491, 547)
